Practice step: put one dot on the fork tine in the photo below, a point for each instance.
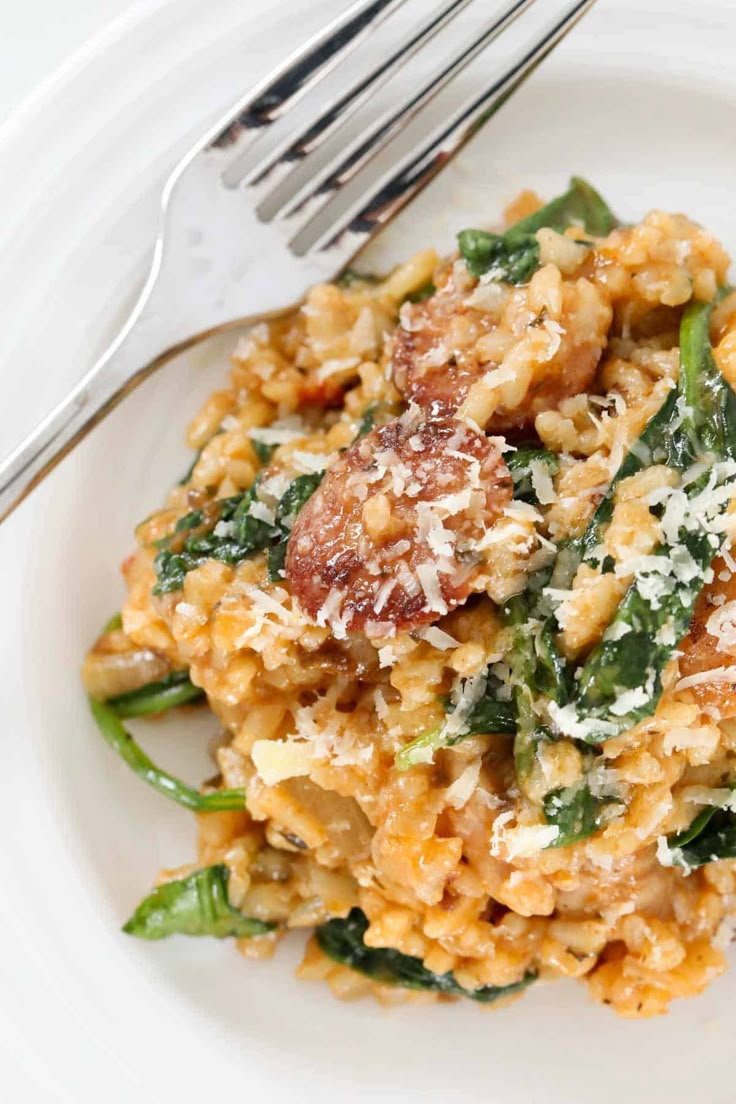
(396, 188)
(301, 71)
(281, 160)
(318, 191)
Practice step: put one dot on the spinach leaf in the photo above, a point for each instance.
(190, 470)
(717, 842)
(711, 836)
(513, 260)
(227, 530)
(551, 675)
(575, 811)
(263, 451)
(223, 530)
(520, 465)
(426, 291)
(657, 609)
(113, 623)
(536, 666)
(120, 740)
(488, 715)
(514, 255)
(709, 424)
(196, 905)
(292, 500)
(349, 276)
(376, 414)
(687, 835)
(581, 205)
(156, 697)
(342, 941)
(655, 445)
(522, 659)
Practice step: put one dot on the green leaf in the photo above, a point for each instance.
(710, 837)
(551, 674)
(223, 530)
(296, 494)
(523, 661)
(113, 623)
(709, 398)
(375, 415)
(512, 260)
(575, 811)
(656, 445)
(687, 835)
(718, 842)
(490, 716)
(196, 905)
(120, 740)
(156, 697)
(263, 452)
(487, 716)
(349, 277)
(514, 255)
(190, 470)
(426, 291)
(342, 941)
(635, 652)
(520, 465)
(581, 205)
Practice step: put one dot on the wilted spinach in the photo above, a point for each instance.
(697, 423)
(426, 291)
(488, 715)
(224, 529)
(156, 697)
(349, 277)
(575, 811)
(195, 905)
(342, 941)
(710, 837)
(230, 530)
(263, 451)
(514, 255)
(121, 741)
(520, 465)
(292, 500)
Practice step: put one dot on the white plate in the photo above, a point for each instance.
(641, 99)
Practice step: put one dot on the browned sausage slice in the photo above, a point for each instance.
(450, 341)
(710, 644)
(389, 541)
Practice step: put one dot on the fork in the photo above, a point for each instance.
(233, 232)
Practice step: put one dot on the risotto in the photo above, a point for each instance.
(452, 568)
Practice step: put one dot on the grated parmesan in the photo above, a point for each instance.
(702, 678)
(542, 482)
(521, 842)
(277, 760)
(459, 793)
(438, 638)
(722, 625)
(429, 579)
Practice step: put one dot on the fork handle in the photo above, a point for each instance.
(132, 357)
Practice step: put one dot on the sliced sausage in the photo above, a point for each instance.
(547, 337)
(710, 644)
(390, 540)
